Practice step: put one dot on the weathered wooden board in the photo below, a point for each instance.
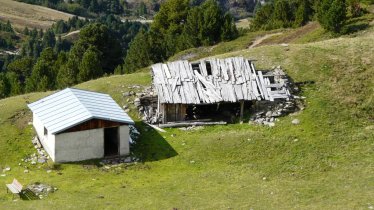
(230, 80)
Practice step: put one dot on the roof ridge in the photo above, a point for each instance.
(72, 88)
(80, 102)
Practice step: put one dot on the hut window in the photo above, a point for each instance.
(195, 66)
(45, 131)
(208, 68)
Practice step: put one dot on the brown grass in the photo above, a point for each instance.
(22, 14)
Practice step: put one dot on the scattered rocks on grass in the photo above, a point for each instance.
(41, 190)
(26, 171)
(108, 164)
(191, 128)
(40, 156)
(134, 134)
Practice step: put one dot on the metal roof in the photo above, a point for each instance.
(70, 107)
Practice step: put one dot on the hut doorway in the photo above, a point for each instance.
(111, 141)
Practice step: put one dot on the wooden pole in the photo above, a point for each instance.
(241, 110)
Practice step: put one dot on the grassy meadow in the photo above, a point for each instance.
(33, 16)
(325, 162)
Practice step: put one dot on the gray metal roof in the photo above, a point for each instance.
(70, 107)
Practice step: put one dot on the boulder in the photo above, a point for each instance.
(295, 121)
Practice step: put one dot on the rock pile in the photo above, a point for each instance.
(116, 162)
(41, 190)
(267, 112)
(134, 134)
(40, 157)
(145, 101)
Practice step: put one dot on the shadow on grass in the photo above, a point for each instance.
(352, 28)
(151, 146)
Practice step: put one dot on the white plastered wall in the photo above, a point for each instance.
(80, 145)
(47, 141)
(124, 136)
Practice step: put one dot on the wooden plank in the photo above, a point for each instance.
(185, 124)
(258, 83)
(267, 82)
(238, 92)
(241, 111)
(202, 65)
(224, 70)
(155, 127)
(166, 71)
(262, 86)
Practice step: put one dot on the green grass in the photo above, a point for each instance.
(325, 162)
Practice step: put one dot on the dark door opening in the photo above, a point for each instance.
(111, 141)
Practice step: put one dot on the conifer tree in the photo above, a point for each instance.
(332, 15)
(90, 67)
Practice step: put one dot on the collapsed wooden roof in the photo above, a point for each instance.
(216, 80)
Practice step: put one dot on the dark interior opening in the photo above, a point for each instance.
(271, 79)
(111, 141)
(208, 68)
(195, 66)
(228, 112)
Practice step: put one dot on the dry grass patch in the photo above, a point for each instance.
(22, 14)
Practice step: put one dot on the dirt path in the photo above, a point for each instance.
(70, 33)
(262, 38)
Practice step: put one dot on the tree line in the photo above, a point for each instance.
(95, 8)
(47, 62)
(179, 26)
(107, 45)
(331, 14)
(7, 36)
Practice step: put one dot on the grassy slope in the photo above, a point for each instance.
(22, 14)
(329, 166)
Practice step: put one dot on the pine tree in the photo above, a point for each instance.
(43, 73)
(68, 73)
(90, 67)
(332, 15)
(192, 32)
(49, 39)
(26, 31)
(303, 13)
(282, 14)
(229, 30)
(4, 86)
(138, 55)
(8, 27)
(212, 22)
(15, 85)
(263, 17)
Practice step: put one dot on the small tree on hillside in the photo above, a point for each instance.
(332, 15)
(90, 67)
(303, 13)
(262, 17)
(4, 86)
(138, 55)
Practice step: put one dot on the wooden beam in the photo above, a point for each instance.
(185, 124)
(241, 110)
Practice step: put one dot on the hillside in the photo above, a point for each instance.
(22, 14)
(325, 162)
